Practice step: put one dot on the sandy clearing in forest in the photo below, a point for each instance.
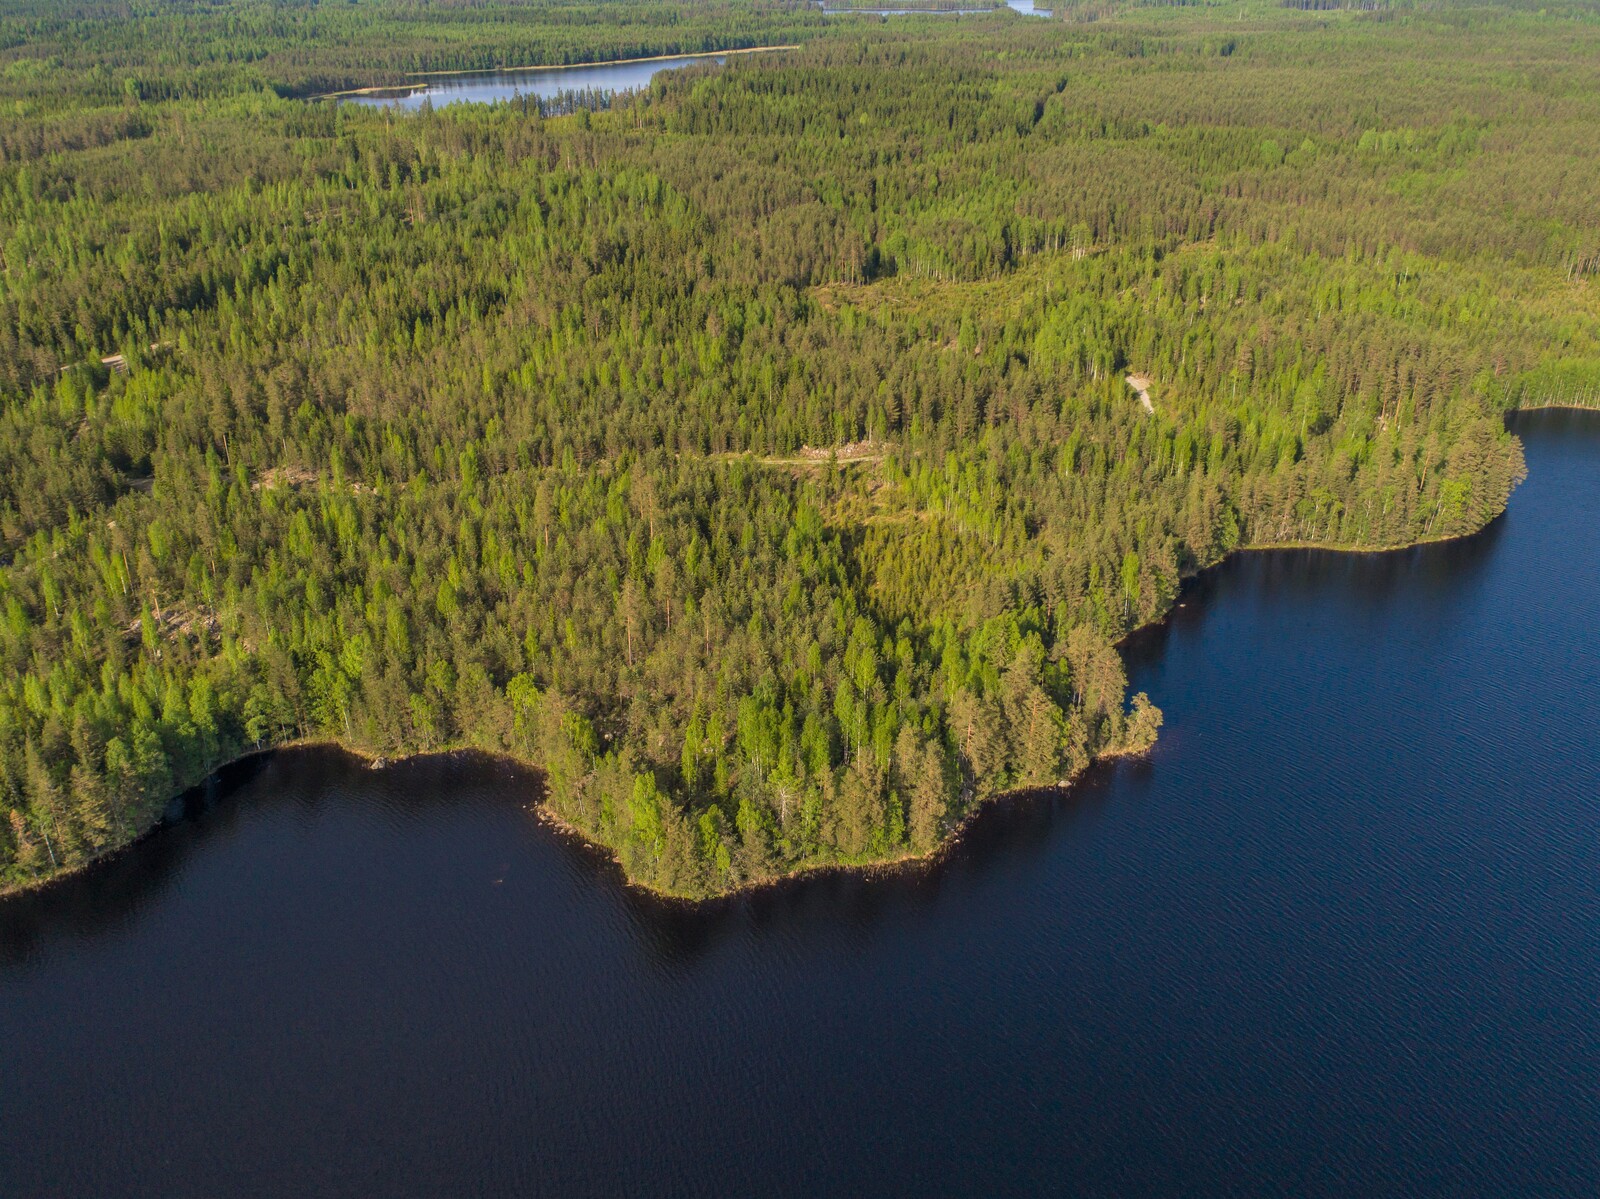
(1141, 384)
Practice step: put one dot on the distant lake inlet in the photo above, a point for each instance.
(545, 83)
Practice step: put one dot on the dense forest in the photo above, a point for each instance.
(773, 456)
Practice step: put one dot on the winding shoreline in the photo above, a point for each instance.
(541, 811)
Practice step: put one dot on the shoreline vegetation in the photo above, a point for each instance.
(756, 454)
(541, 811)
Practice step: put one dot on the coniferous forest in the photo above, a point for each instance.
(774, 456)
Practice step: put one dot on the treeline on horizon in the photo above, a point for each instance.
(190, 49)
(755, 456)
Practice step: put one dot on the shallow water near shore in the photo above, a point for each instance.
(1340, 934)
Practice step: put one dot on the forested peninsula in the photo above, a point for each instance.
(774, 456)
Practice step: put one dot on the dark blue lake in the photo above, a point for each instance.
(1340, 935)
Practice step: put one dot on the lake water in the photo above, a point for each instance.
(1026, 7)
(489, 86)
(1340, 935)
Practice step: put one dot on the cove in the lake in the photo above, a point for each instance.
(1339, 935)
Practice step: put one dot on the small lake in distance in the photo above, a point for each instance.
(1339, 935)
(610, 77)
(544, 83)
(547, 83)
(1025, 7)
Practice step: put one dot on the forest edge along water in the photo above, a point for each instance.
(1337, 935)
(215, 788)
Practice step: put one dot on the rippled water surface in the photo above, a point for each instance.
(1340, 935)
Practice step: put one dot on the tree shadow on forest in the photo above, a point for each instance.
(110, 893)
